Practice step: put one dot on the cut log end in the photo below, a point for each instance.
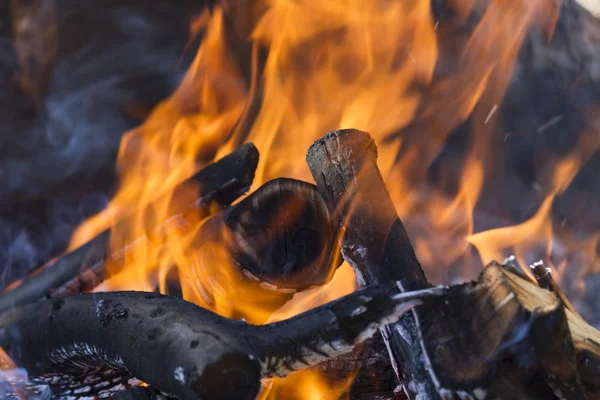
(283, 235)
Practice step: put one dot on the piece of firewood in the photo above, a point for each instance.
(277, 241)
(374, 241)
(184, 350)
(282, 235)
(503, 337)
(219, 184)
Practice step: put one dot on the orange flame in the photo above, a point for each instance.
(366, 64)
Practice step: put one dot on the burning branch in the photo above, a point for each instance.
(502, 337)
(83, 269)
(184, 350)
(374, 242)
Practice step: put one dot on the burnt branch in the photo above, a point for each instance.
(219, 184)
(187, 351)
(501, 337)
(374, 241)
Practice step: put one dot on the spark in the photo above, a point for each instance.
(506, 137)
(412, 58)
(436, 25)
(548, 124)
(492, 111)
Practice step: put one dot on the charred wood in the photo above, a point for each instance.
(209, 356)
(219, 184)
(370, 367)
(277, 241)
(374, 241)
(503, 337)
(282, 235)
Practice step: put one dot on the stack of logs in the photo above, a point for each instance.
(510, 335)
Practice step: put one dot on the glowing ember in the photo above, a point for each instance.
(369, 65)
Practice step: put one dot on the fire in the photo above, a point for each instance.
(306, 385)
(366, 64)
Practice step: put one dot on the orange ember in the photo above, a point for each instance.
(318, 66)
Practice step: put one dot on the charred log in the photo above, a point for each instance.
(501, 337)
(282, 235)
(219, 184)
(209, 356)
(277, 241)
(505, 337)
(375, 243)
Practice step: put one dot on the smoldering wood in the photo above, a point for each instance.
(277, 241)
(219, 184)
(375, 243)
(184, 350)
(505, 337)
(283, 235)
(344, 166)
(501, 337)
(369, 365)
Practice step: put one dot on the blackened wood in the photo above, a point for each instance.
(184, 350)
(277, 241)
(219, 183)
(369, 366)
(283, 235)
(502, 337)
(344, 165)
(544, 279)
(374, 241)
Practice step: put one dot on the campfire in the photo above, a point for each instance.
(345, 199)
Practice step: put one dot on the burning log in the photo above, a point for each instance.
(281, 236)
(209, 356)
(506, 337)
(220, 184)
(277, 241)
(374, 242)
(503, 337)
